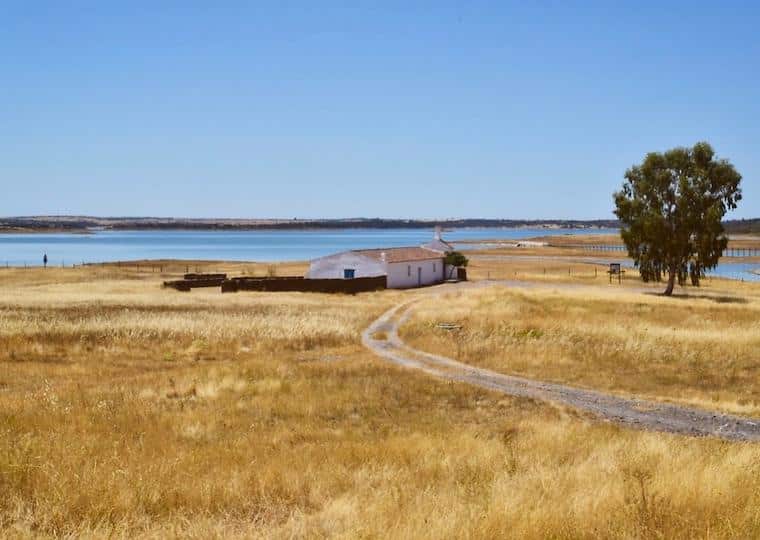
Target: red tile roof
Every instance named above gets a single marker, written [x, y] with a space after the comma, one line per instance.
[401, 254]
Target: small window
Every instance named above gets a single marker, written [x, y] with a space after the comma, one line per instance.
[349, 273]
[409, 270]
[433, 267]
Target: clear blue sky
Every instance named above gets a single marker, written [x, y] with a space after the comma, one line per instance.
[515, 110]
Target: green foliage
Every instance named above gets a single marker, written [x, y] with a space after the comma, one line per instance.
[456, 258]
[671, 209]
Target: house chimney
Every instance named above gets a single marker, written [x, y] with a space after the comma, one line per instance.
[382, 256]
[437, 233]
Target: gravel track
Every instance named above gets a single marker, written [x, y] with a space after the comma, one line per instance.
[633, 413]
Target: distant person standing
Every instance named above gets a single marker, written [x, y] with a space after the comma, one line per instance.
[44, 260]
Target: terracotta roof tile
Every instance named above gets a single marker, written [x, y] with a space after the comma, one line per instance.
[401, 254]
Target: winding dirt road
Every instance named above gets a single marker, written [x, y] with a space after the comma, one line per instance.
[382, 338]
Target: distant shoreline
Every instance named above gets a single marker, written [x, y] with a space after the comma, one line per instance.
[88, 225]
[45, 231]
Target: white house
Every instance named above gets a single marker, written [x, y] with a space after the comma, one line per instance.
[405, 267]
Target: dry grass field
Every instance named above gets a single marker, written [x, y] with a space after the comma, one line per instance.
[127, 410]
[543, 270]
[699, 348]
[585, 246]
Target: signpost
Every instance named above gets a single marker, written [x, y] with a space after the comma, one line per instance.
[616, 270]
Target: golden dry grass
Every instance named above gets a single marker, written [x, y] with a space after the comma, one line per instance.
[131, 411]
[582, 246]
[735, 241]
[546, 270]
[548, 251]
[568, 268]
[700, 349]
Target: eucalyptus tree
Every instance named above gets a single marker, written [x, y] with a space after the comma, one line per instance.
[671, 208]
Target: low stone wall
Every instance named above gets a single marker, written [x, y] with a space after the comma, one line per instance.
[205, 276]
[192, 281]
[299, 284]
[187, 284]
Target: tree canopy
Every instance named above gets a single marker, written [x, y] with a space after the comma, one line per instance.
[456, 258]
[671, 208]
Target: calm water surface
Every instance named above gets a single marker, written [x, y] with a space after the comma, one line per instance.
[109, 246]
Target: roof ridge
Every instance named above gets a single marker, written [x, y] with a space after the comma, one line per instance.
[399, 254]
[394, 247]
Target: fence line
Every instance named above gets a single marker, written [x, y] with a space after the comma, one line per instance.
[729, 252]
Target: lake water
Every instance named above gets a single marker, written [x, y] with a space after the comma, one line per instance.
[109, 246]
[738, 271]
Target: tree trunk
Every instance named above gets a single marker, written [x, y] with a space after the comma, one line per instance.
[671, 281]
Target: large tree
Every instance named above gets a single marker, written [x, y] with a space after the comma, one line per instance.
[671, 209]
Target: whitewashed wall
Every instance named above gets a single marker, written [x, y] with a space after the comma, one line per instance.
[332, 266]
[450, 272]
[401, 277]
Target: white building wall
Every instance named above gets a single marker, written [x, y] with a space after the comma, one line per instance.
[332, 266]
[403, 275]
[450, 272]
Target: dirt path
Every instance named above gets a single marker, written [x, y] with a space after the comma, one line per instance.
[382, 338]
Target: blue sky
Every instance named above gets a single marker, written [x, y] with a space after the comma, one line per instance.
[514, 110]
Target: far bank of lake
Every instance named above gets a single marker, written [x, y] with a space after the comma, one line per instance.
[256, 245]
[261, 245]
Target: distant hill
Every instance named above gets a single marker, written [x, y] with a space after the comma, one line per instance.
[75, 224]
[87, 223]
[743, 226]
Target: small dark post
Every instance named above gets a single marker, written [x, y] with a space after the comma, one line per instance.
[44, 261]
[616, 270]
